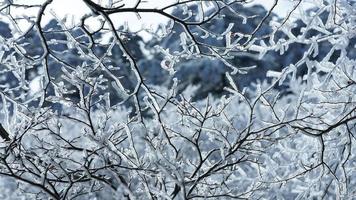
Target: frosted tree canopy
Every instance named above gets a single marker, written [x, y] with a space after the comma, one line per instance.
[218, 99]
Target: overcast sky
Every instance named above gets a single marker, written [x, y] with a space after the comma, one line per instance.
[77, 7]
[74, 8]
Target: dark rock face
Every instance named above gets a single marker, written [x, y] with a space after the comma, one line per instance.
[5, 30]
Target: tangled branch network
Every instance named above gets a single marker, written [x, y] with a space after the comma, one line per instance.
[223, 99]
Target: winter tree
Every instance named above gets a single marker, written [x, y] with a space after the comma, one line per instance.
[225, 100]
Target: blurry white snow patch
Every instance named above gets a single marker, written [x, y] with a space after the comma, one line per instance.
[35, 85]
